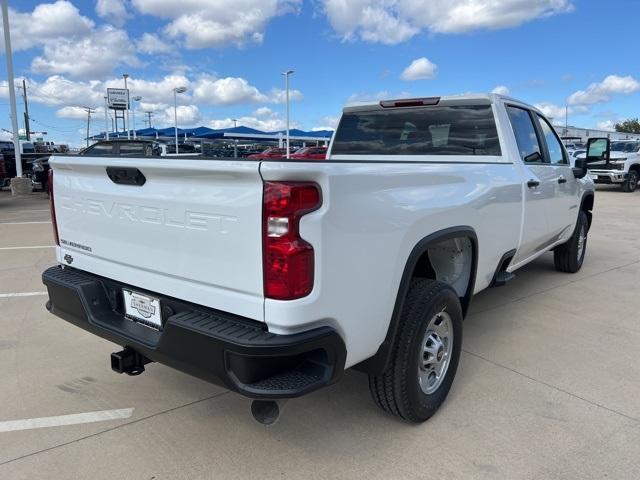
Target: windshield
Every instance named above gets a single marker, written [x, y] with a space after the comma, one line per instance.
[628, 147]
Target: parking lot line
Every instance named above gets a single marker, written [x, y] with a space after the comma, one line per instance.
[62, 420]
[22, 294]
[23, 223]
[20, 248]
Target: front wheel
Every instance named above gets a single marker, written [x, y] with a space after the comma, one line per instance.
[631, 183]
[425, 353]
[569, 256]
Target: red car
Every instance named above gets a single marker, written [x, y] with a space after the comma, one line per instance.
[270, 153]
[310, 153]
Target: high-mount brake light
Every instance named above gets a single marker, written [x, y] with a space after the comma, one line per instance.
[52, 207]
[410, 102]
[288, 260]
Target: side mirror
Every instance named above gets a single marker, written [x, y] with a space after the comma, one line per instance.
[598, 150]
[580, 168]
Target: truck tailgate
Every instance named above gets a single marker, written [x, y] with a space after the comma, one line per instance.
[191, 231]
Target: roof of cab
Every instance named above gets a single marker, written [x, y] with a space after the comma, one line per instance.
[449, 100]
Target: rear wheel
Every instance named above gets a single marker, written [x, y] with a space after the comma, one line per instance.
[425, 353]
[569, 256]
[631, 183]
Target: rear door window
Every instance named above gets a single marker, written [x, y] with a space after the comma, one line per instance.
[526, 136]
[134, 149]
[442, 130]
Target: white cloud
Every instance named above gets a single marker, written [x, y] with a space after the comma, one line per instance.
[188, 116]
[501, 90]
[236, 90]
[114, 11]
[46, 22]
[606, 125]
[58, 91]
[151, 43]
[420, 69]
[395, 21]
[554, 111]
[207, 24]
[79, 113]
[227, 91]
[277, 95]
[95, 55]
[603, 91]
[264, 112]
[272, 122]
[327, 123]
[155, 91]
[551, 110]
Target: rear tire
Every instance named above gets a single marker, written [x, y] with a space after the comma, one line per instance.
[631, 183]
[428, 342]
[569, 256]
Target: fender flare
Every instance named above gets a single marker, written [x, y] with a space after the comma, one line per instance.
[588, 196]
[380, 361]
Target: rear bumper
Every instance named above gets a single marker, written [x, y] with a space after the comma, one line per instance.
[219, 347]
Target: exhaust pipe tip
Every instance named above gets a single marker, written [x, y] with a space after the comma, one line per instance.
[267, 412]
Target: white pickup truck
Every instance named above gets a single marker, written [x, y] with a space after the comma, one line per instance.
[615, 164]
[273, 277]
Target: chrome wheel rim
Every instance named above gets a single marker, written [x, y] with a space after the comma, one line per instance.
[582, 240]
[435, 354]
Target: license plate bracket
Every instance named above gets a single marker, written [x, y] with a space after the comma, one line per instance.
[142, 308]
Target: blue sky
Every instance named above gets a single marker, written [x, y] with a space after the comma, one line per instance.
[229, 53]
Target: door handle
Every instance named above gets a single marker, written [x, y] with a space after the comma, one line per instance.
[562, 180]
[533, 183]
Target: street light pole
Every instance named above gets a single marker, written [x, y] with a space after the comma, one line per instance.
[286, 87]
[235, 140]
[126, 110]
[12, 88]
[133, 114]
[106, 119]
[176, 91]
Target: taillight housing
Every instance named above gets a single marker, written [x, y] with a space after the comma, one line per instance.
[288, 260]
[52, 207]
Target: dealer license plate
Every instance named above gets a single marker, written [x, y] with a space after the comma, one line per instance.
[142, 308]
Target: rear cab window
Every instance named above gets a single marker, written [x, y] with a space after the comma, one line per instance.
[439, 130]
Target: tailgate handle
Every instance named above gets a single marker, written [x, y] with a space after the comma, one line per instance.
[126, 176]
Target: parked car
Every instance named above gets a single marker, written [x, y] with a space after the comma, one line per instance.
[310, 153]
[8, 147]
[272, 279]
[269, 153]
[619, 167]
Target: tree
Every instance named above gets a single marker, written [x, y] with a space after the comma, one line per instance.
[632, 125]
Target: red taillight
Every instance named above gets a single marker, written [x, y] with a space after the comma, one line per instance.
[52, 207]
[288, 259]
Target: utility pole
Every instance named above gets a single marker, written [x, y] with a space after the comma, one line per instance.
[27, 129]
[235, 140]
[149, 114]
[106, 119]
[126, 110]
[89, 111]
[286, 86]
[12, 88]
